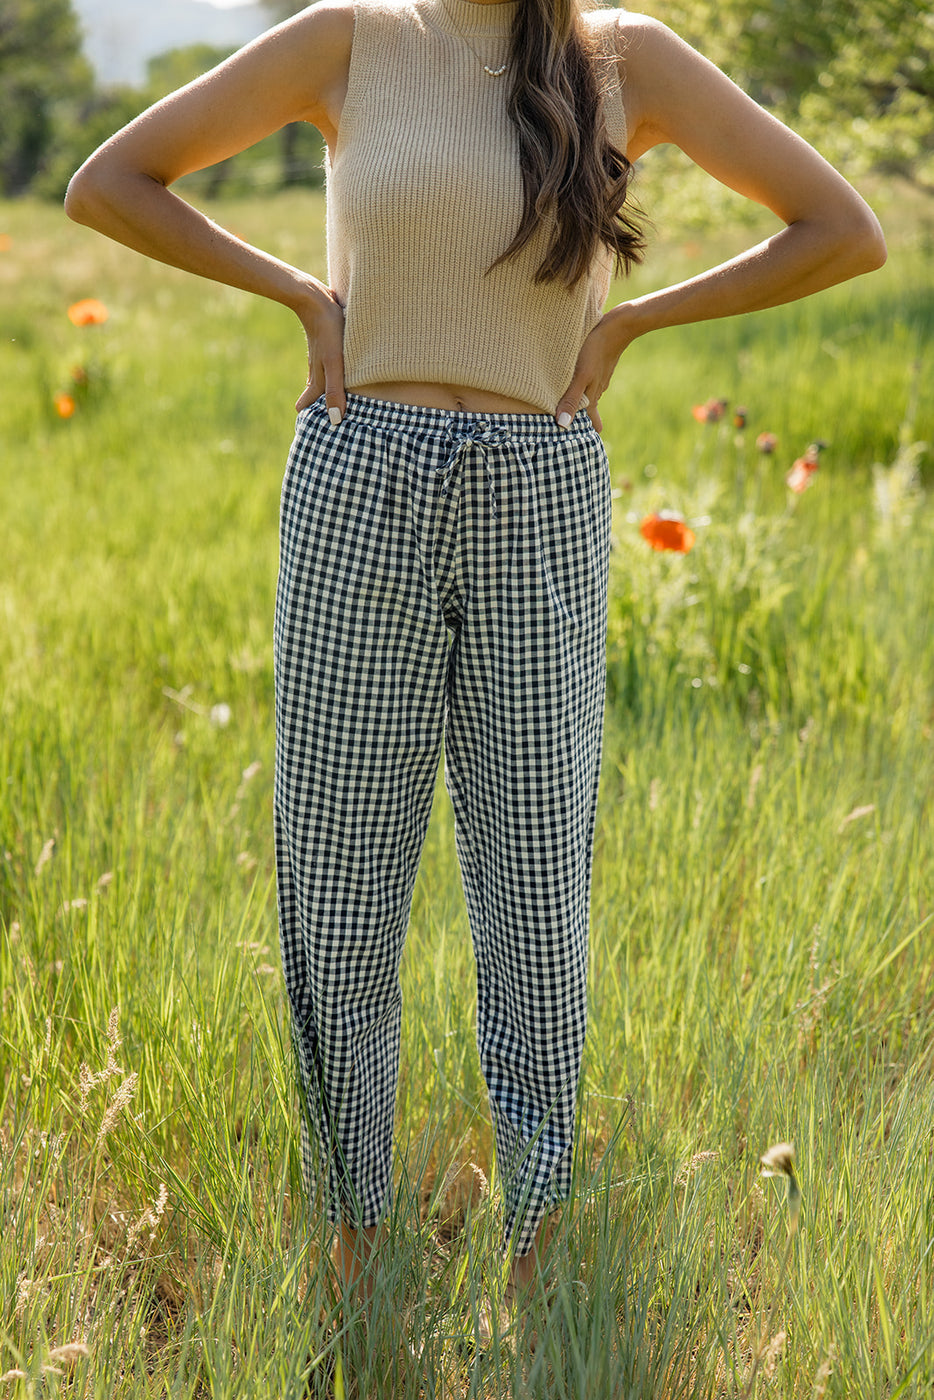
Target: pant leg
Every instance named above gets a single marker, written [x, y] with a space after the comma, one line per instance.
[360, 662]
[522, 755]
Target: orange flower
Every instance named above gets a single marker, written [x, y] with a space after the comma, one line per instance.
[88, 312]
[64, 405]
[739, 418]
[665, 529]
[767, 443]
[710, 412]
[6, 243]
[799, 477]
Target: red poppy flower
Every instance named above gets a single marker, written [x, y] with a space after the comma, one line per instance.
[739, 418]
[767, 443]
[64, 405]
[799, 477]
[710, 412]
[88, 312]
[666, 530]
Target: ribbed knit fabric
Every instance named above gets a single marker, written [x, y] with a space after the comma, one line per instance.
[424, 193]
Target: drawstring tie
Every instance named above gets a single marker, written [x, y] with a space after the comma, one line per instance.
[480, 434]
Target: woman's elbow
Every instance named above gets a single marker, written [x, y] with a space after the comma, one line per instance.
[82, 196]
[98, 189]
[863, 242]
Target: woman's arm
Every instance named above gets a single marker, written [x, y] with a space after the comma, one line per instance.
[673, 94]
[295, 72]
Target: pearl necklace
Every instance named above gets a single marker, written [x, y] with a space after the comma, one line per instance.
[491, 72]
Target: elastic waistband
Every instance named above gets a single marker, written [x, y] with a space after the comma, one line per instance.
[408, 418]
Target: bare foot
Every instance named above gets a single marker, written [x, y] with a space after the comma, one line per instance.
[351, 1255]
[525, 1270]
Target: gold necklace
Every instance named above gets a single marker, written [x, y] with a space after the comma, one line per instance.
[492, 72]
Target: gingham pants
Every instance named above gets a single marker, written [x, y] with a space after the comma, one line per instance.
[442, 576]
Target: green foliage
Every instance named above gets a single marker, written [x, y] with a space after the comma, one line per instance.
[42, 76]
[854, 77]
[90, 122]
[873, 104]
[173, 69]
[281, 9]
[293, 156]
[762, 960]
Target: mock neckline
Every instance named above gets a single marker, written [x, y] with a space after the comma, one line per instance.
[472, 17]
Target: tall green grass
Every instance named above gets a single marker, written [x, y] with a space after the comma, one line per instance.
[763, 923]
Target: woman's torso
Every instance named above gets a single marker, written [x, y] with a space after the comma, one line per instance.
[424, 193]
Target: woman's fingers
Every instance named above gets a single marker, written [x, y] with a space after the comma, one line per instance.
[309, 394]
[324, 330]
[334, 395]
[591, 377]
[596, 362]
[571, 399]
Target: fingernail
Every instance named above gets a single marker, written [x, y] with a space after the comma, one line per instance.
[335, 416]
[564, 420]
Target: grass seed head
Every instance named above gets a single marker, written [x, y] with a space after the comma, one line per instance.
[824, 1372]
[773, 1354]
[71, 1351]
[45, 855]
[118, 1103]
[779, 1160]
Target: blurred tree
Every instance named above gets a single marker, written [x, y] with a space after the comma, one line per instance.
[872, 106]
[99, 114]
[103, 112]
[42, 72]
[176, 67]
[80, 127]
[281, 9]
[294, 140]
[290, 157]
[854, 76]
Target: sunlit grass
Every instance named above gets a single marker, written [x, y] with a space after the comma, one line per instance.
[763, 943]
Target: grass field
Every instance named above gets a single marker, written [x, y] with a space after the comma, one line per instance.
[763, 910]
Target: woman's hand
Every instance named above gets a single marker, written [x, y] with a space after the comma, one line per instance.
[323, 321]
[596, 362]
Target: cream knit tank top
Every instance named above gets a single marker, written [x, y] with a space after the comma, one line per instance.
[424, 193]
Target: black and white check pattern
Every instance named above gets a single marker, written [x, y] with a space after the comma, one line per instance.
[442, 575]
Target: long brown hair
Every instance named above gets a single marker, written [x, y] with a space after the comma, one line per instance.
[574, 180]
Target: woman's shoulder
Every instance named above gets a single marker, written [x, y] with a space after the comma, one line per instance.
[627, 30]
[389, 11]
[337, 17]
[329, 22]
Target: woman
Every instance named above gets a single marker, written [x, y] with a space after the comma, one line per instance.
[445, 511]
